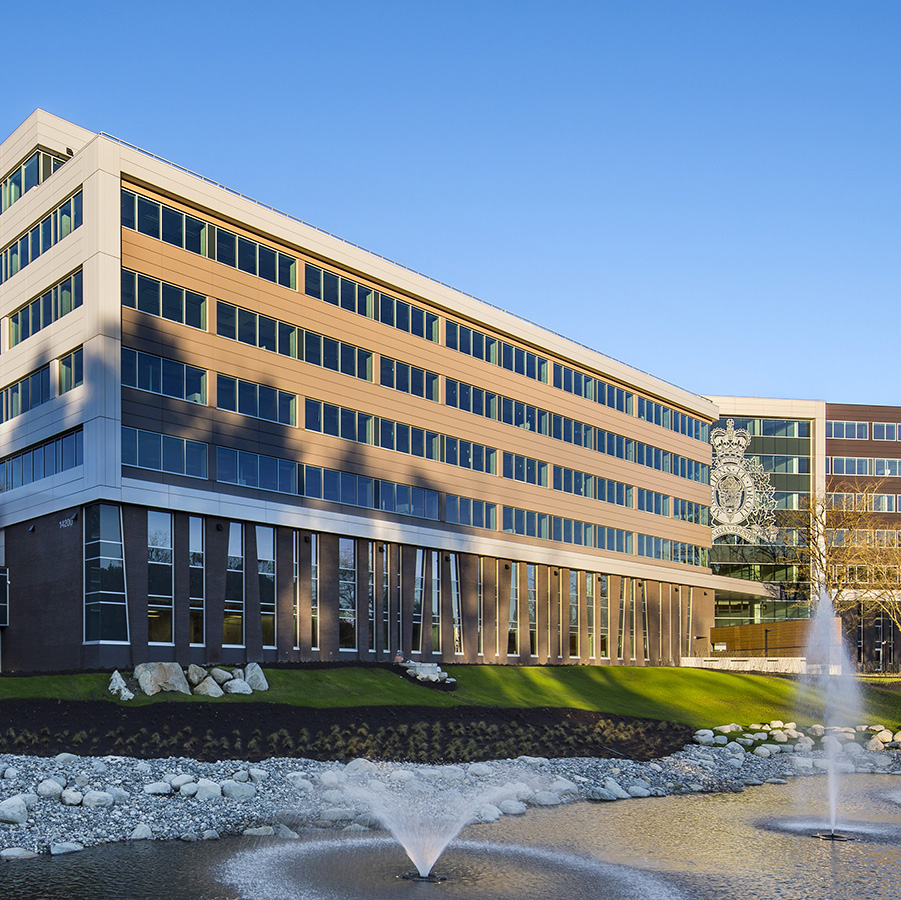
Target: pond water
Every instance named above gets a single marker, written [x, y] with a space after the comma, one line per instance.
[756, 845]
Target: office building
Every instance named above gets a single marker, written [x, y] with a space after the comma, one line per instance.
[227, 435]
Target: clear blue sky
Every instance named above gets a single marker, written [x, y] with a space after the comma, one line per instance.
[708, 191]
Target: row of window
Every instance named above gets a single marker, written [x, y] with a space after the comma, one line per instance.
[652, 502]
[409, 379]
[351, 425]
[885, 503]
[860, 465]
[567, 531]
[60, 300]
[482, 346]
[591, 388]
[688, 511]
[159, 375]
[680, 422]
[164, 300]
[164, 223]
[468, 511]
[859, 431]
[286, 476]
[525, 469]
[672, 551]
[35, 389]
[794, 428]
[34, 171]
[463, 396]
[163, 453]
[242, 325]
[59, 454]
[38, 240]
[170, 225]
[357, 298]
[849, 431]
[572, 481]
[257, 400]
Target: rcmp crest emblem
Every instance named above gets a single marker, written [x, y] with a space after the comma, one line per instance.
[742, 501]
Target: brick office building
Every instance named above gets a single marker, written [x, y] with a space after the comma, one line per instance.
[227, 435]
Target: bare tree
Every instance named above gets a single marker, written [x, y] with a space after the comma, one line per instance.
[843, 543]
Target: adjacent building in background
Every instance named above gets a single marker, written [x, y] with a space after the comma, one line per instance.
[227, 435]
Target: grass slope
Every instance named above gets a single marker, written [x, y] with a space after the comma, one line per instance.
[688, 696]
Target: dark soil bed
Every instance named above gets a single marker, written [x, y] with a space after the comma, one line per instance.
[254, 731]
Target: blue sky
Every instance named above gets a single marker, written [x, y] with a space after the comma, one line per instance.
[707, 191]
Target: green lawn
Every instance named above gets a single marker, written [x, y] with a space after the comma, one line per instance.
[691, 696]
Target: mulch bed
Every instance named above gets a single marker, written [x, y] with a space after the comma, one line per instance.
[254, 731]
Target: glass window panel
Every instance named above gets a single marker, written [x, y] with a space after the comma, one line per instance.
[148, 217]
[148, 295]
[195, 310]
[247, 327]
[247, 256]
[173, 226]
[195, 235]
[226, 247]
[267, 262]
[173, 302]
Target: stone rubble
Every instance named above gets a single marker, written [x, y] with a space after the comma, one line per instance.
[154, 677]
[65, 803]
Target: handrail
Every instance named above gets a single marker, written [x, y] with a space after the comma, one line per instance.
[437, 281]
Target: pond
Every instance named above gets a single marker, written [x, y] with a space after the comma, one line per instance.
[756, 845]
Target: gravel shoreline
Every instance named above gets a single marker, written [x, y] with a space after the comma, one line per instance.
[65, 803]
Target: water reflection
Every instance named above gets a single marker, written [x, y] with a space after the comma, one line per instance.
[692, 847]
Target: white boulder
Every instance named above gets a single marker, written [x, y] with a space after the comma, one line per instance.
[161, 676]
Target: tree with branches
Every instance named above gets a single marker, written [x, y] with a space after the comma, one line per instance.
[843, 543]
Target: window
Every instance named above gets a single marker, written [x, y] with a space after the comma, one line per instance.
[652, 502]
[266, 575]
[165, 223]
[37, 314]
[71, 371]
[41, 237]
[467, 511]
[435, 567]
[456, 603]
[848, 431]
[159, 375]
[370, 592]
[233, 618]
[676, 421]
[409, 379]
[25, 394]
[590, 388]
[163, 453]
[418, 596]
[105, 607]
[513, 621]
[532, 608]
[347, 594]
[314, 590]
[196, 586]
[574, 613]
[159, 578]
[364, 301]
[163, 300]
[525, 469]
[259, 401]
[39, 166]
[885, 431]
[38, 461]
[603, 615]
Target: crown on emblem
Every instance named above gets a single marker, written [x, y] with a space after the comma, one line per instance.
[729, 441]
